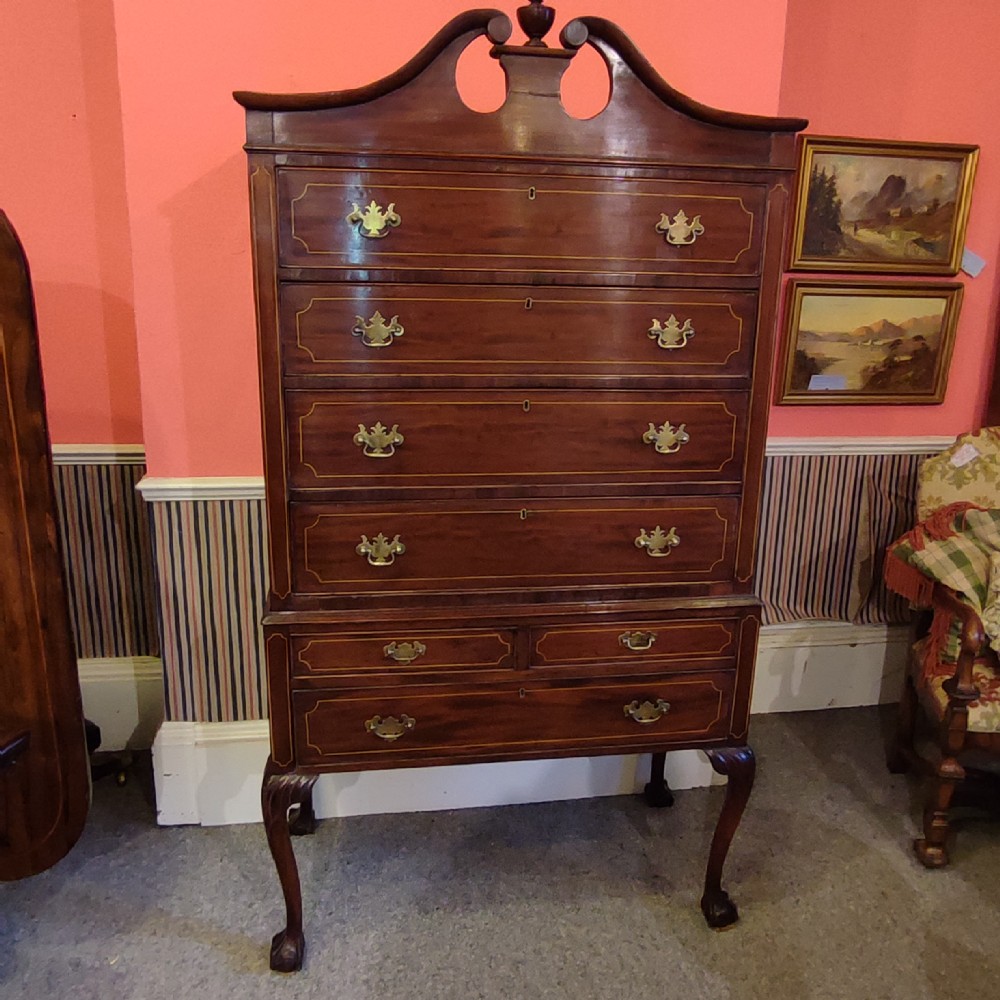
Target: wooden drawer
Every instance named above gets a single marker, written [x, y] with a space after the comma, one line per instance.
[468, 331]
[691, 643]
[493, 546]
[497, 438]
[510, 223]
[496, 721]
[402, 651]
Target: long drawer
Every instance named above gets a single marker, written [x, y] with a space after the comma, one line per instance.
[488, 546]
[515, 331]
[441, 221]
[479, 438]
[421, 722]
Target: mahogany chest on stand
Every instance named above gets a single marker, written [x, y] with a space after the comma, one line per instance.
[514, 376]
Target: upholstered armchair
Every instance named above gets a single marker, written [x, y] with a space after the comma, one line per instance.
[949, 565]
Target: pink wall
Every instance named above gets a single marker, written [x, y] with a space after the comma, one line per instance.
[62, 186]
[125, 178]
[917, 70]
[185, 169]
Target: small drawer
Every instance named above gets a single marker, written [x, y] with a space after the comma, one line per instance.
[571, 225]
[519, 333]
[613, 715]
[507, 438]
[402, 651]
[495, 546]
[688, 642]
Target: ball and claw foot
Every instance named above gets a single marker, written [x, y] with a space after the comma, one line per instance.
[930, 855]
[719, 910]
[658, 794]
[287, 950]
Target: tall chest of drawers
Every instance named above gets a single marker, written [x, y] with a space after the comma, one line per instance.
[514, 380]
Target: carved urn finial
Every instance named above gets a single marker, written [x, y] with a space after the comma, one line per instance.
[536, 20]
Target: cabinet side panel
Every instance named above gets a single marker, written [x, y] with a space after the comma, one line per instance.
[263, 208]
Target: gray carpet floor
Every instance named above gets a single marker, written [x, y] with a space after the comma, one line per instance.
[592, 899]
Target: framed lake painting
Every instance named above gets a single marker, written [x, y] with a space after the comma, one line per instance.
[882, 207]
[847, 342]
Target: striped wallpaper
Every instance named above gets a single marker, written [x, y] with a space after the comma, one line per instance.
[826, 520]
[211, 561]
[825, 523]
[106, 546]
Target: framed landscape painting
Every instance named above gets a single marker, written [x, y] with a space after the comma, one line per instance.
[864, 343]
[882, 207]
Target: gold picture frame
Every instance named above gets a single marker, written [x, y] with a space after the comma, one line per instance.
[881, 207]
[867, 343]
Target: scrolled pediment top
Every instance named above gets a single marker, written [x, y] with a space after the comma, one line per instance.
[495, 24]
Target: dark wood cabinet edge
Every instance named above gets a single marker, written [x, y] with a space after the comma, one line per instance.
[361, 616]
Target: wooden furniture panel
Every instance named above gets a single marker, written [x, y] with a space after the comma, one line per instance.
[44, 770]
[465, 438]
[402, 650]
[498, 546]
[494, 722]
[640, 641]
[525, 333]
[510, 312]
[569, 224]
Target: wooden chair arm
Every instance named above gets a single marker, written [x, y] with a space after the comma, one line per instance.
[12, 745]
[972, 636]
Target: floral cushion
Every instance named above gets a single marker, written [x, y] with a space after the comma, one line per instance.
[968, 470]
[984, 712]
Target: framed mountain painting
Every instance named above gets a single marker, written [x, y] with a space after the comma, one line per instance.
[849, 342]
[882, 207]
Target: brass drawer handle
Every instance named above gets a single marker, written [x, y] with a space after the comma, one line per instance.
[647, 712]
[666, 440]
[377, 331]
[379, 441]
[390, 728]
[680, 231]
[380, 550]
[373, 221]
[658, 543]
[671, 335]
[404, 652]
[637, 640]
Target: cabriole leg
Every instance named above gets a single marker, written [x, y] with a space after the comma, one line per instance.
[281, 793]
[739, 765]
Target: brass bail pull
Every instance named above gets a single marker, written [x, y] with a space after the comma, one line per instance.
[389, 728]
[374, 222]
[637, 641]
[671, 335]
[680, 231]
[647, 712]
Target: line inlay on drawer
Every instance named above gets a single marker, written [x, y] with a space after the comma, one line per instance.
[482, 719]
[508, 436]
[519, 328]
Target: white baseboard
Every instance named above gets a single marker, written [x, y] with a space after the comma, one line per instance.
[805, 666]
[124, 696]
[209, 773]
